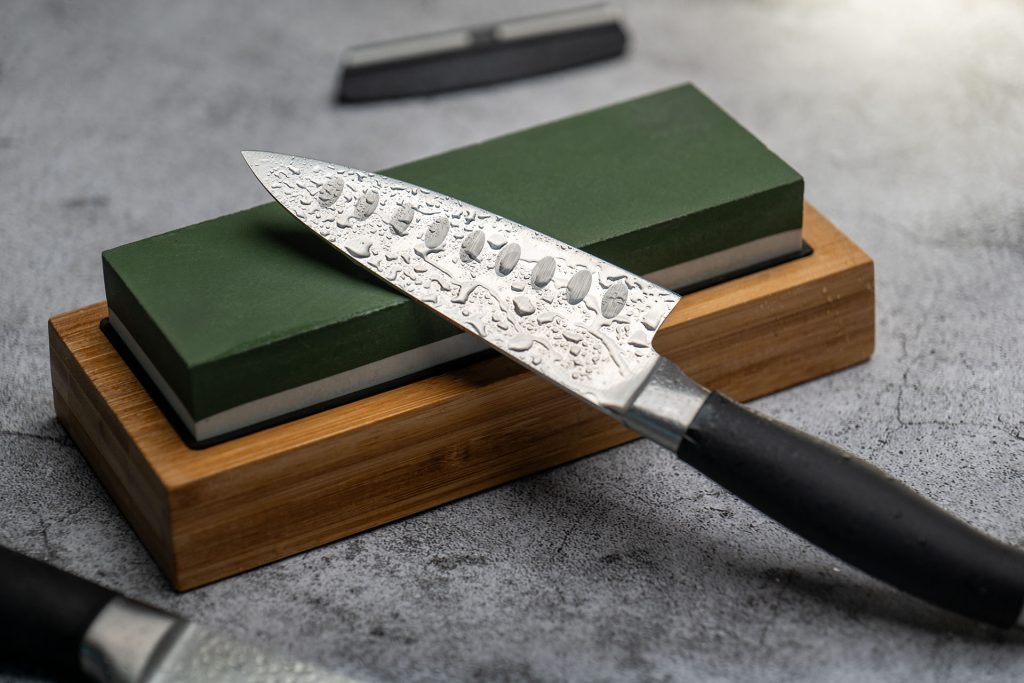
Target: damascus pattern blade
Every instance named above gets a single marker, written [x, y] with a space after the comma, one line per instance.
[583, 323]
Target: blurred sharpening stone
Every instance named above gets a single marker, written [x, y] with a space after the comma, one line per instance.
[463, 58]
[249, 319]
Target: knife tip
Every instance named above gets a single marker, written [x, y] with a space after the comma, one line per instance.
[253, 157]
[263, 163]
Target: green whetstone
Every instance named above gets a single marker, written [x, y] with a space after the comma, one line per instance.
[243, 319]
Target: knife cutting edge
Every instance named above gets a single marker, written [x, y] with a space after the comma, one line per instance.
[55, 624]
[589, 326]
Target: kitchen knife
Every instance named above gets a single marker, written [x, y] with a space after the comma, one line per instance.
[59, 625]
[588, 326]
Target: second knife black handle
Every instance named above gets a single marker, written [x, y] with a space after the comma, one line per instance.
[44, 613]
[856, 512]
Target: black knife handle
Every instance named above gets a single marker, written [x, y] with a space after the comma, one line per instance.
[856, 512]
[44, 612]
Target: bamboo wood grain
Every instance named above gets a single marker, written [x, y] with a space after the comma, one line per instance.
[207, 514]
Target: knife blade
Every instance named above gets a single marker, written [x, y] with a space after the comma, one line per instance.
[588, 326]
[56, 624]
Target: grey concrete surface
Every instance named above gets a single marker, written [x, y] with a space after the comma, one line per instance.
[120, 120]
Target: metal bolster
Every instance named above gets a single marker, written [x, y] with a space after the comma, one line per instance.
[665, 405]
[123, 639]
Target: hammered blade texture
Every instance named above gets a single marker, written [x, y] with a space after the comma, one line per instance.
[201, 656]
[585, 324]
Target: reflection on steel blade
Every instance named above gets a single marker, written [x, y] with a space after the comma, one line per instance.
[198, 656]
[583, 323]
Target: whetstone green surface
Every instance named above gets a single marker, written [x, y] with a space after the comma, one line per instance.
[251, 304]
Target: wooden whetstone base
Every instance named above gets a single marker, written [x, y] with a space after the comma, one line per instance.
[208, 514]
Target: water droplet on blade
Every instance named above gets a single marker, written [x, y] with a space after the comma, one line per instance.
[520, 342]
[523, 305]
[358, 248]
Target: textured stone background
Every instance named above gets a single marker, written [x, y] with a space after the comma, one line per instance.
[120, 120]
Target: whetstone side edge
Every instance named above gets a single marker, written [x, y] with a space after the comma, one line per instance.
[208, 514]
